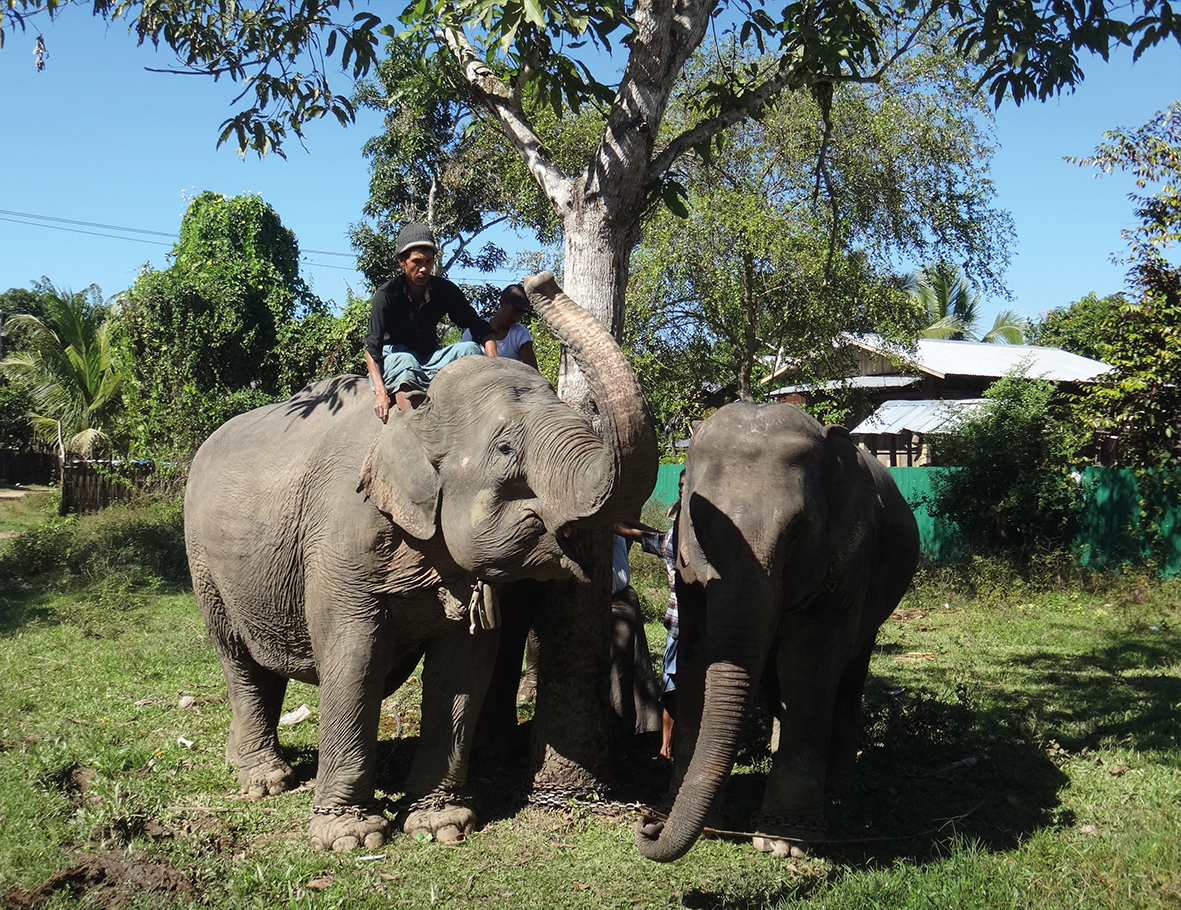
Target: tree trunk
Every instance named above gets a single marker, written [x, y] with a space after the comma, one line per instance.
[571, 727]
[750, 342]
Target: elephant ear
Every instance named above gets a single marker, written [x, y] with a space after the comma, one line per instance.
[400, 480]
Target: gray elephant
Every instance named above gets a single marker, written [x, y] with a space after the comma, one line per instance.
[329, 548]
[793, 548]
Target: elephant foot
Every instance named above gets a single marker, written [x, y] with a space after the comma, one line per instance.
[785, 837]
[341, 828]
[445, 818]
[265, 778]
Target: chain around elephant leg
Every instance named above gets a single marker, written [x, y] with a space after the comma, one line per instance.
[784, 836]
[342, 828]
[443, 815]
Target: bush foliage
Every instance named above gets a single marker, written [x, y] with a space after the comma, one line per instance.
[1014, 490]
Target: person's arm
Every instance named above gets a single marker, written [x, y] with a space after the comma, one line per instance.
[374, 360]
[633, 530]
[381, 404]
[490, 347]
[525, 352]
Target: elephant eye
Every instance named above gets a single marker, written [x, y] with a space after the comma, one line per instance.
[504, 448]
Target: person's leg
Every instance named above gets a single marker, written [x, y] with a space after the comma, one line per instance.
[449, 353]
[401, 369]
[668, 695]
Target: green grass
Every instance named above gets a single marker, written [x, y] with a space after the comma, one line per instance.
[1022, 749]
[25, 508]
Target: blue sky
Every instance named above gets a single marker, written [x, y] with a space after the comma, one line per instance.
[94, 138]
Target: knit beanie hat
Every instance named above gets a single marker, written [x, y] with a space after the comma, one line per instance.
[415, 234]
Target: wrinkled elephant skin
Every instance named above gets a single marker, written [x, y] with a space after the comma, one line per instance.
[793, 548]
[330, 548]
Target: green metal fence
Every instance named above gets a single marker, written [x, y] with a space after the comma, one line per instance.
[1111, 526]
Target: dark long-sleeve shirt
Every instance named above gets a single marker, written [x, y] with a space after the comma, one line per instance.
[395, 319]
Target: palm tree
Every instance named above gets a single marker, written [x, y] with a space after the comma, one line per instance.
[67, 363]
[952, 310]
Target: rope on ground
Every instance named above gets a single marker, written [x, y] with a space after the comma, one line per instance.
[722, 832]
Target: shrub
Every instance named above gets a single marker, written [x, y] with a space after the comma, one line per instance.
[1015, 491]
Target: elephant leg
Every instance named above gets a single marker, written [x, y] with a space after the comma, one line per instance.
[455, 676]
[621, 679]
[497, 733]
[353, 666]
[646, 688]
[256, 695]
[846, 722]
[809, 665]
[635, 698]
[256, 699]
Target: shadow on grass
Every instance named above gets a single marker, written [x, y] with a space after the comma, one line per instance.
[22, 604]
[1119, 692]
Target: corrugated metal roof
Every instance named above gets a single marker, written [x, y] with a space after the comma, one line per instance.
[974, 358]
[916, 416]
[853, 382]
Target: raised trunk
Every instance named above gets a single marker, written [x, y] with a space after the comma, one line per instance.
[623, 473]
[571, 728]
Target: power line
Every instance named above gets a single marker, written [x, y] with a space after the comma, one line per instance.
[108, 227]
[58, 227]
[115, 227]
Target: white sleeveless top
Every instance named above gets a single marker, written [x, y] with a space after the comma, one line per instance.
[510, 345]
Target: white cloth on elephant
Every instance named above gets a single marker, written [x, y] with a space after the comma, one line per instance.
[621, 575]
[510, 345]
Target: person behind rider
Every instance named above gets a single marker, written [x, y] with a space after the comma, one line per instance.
[402, 350]
[513, 340]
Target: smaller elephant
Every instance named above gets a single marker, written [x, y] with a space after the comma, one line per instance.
[793, 548]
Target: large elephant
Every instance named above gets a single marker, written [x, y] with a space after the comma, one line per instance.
[329, 548]
[793, 548]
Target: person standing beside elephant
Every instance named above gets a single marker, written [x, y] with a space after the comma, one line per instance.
[512, 339]
[402, 350]
[664, 545]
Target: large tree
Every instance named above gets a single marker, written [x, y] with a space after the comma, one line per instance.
[795, 225]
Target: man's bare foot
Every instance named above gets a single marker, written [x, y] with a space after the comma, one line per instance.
[410, 398]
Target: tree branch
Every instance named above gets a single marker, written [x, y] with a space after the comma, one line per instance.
[789, 75]
[505, 106]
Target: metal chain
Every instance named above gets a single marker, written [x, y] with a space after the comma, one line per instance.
[436, 801]
[761, 822]
[357, 812]
[596, 799]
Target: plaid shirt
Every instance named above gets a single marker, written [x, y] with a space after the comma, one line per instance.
[664, 545]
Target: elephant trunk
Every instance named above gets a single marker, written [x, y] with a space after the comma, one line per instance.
[728, 692]
[733, 636]
[616, 479]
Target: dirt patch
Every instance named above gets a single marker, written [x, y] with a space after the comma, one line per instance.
[4, 535]
[9, 493]
[111, 881]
